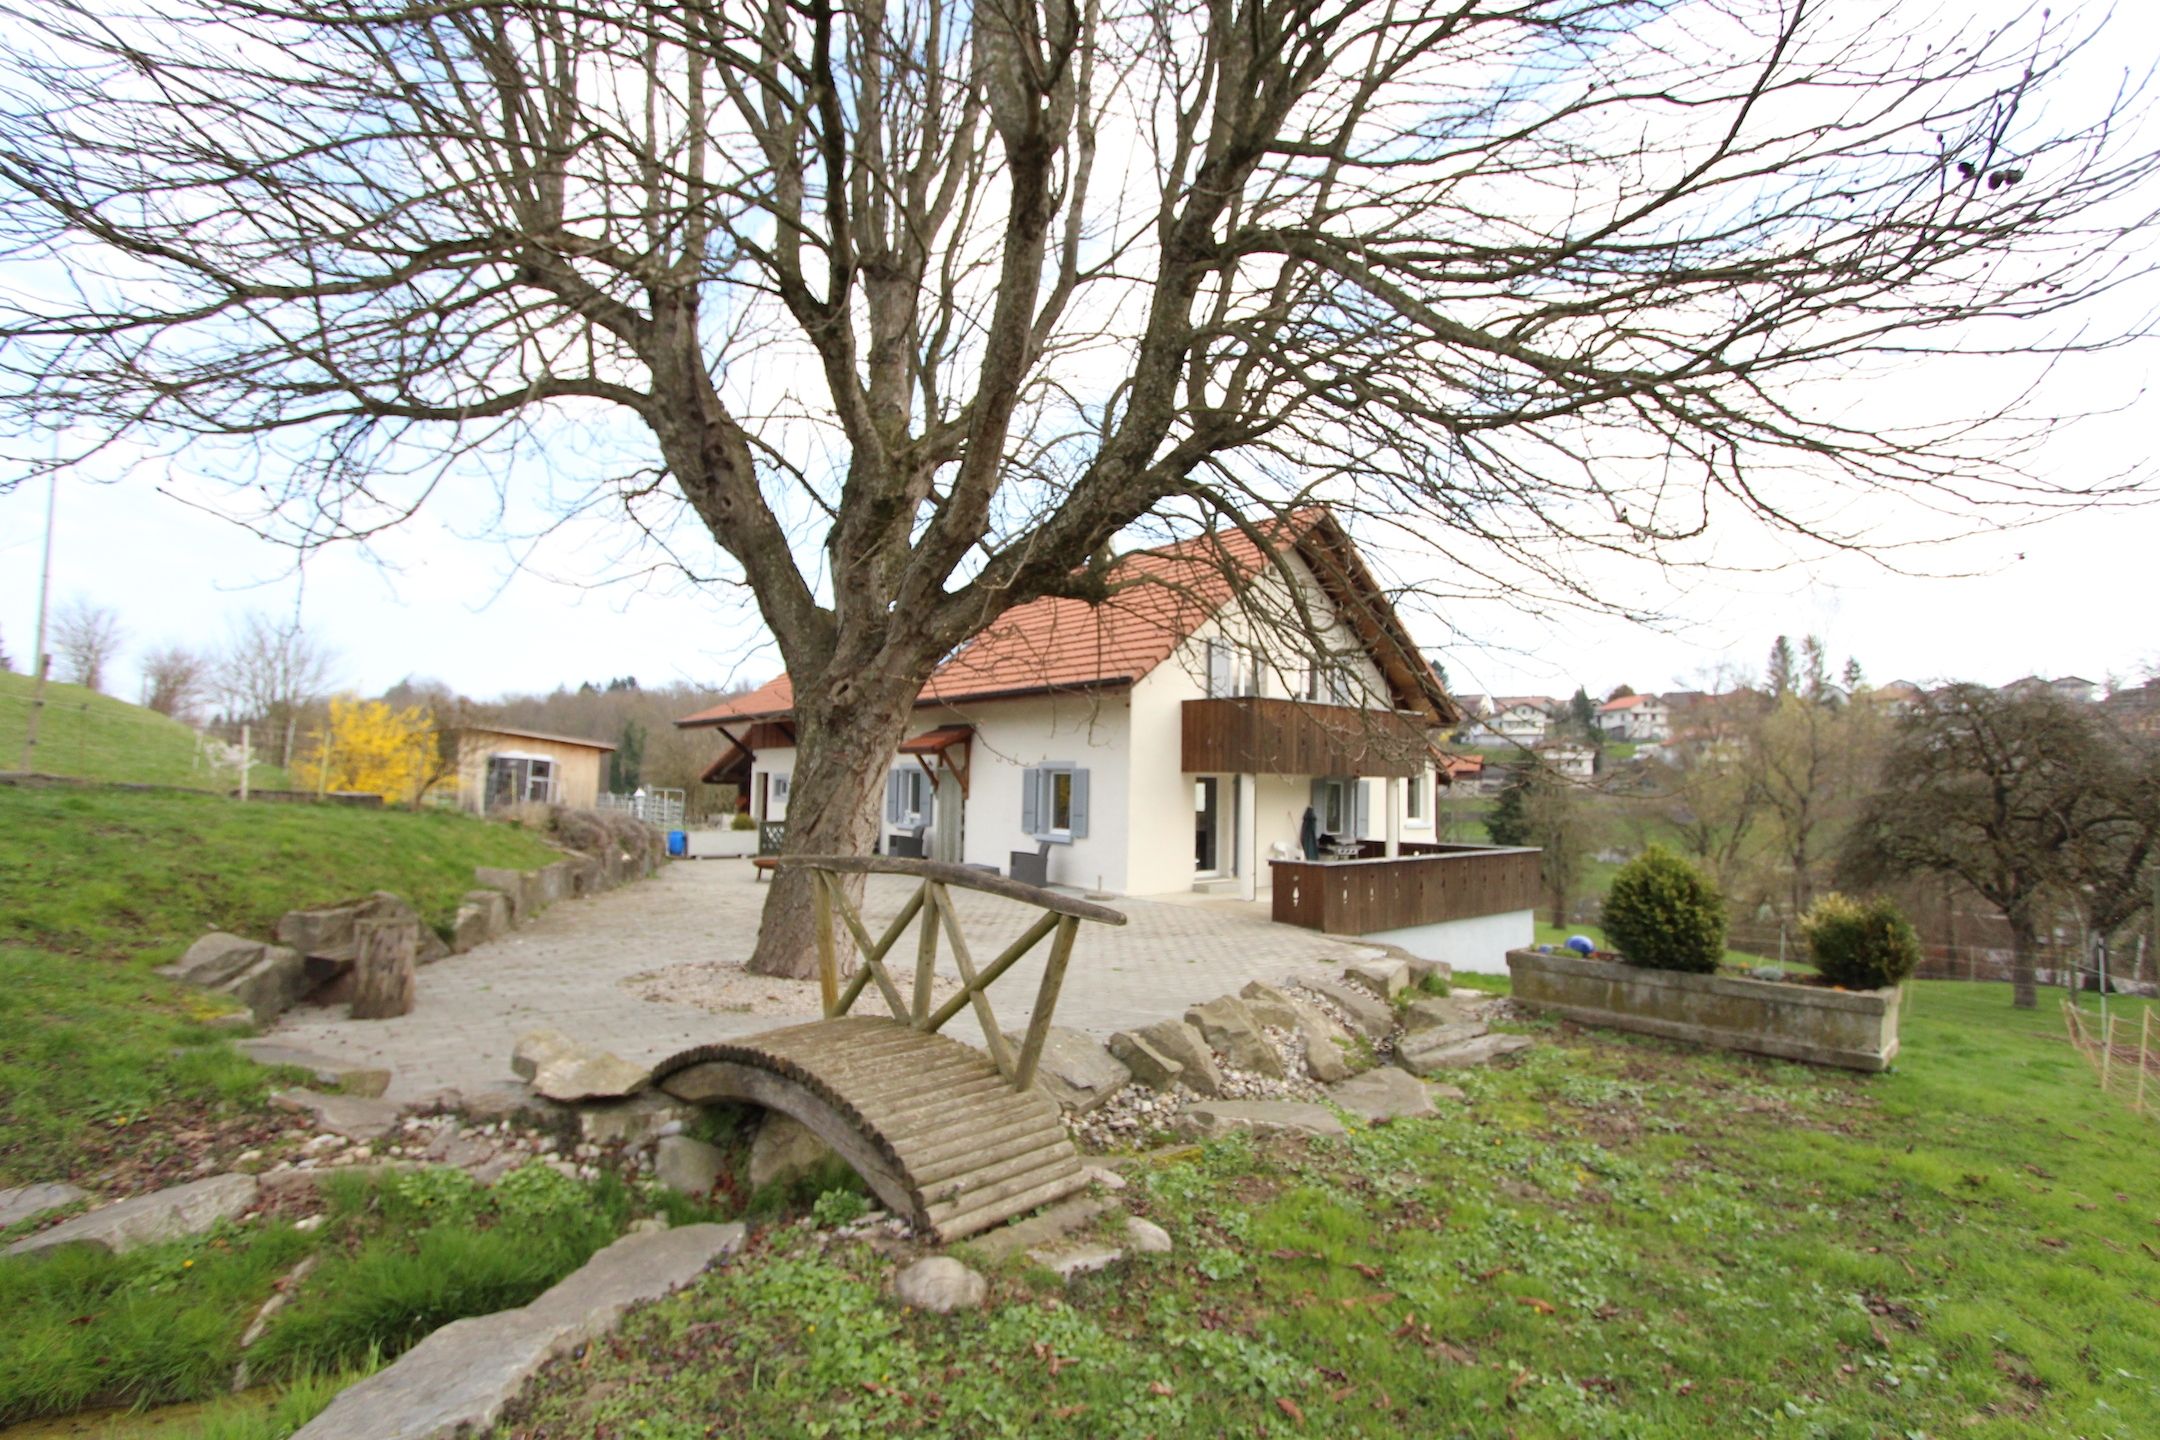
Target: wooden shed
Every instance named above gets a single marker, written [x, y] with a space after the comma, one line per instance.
[498, 766]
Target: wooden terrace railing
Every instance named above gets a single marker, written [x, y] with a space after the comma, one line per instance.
[1448, 882]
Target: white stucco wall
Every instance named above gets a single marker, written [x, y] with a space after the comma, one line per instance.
[1478, 946]
[1089, 731]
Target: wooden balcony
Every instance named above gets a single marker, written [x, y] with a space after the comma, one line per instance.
[1250, 735]
[1449, 882]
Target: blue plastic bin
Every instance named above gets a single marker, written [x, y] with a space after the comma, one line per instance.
[678, 843]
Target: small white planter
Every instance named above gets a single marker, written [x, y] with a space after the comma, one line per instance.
[720, 844]
[1857, 1029]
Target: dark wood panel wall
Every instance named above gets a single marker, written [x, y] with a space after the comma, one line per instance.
[1252, 735]
[1357, 897]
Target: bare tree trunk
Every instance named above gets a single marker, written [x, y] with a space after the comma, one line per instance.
[2026, 992]
[832, 810]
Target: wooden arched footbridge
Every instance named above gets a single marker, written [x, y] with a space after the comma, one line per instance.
[954, 1139]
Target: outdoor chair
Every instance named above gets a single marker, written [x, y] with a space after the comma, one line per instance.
[1032, 869]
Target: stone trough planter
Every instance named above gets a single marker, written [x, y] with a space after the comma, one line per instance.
[1856, 1029]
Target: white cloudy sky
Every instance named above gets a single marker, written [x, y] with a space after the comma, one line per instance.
[445, 598]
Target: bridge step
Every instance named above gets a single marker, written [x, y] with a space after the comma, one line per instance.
[959, 1151]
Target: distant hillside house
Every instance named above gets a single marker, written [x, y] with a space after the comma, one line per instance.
[1156, 743]
[1565, 757]
[1515, 720]
[1640, 719]
[497, 766]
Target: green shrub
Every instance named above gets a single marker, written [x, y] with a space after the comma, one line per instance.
[838, 1207]
[743, 820]
[1664, 914]
[1861, 944]
[1435, 983]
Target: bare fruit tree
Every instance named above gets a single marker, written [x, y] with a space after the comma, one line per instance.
[175, 680]
[915, 307]
[88, 639]
[268, 674]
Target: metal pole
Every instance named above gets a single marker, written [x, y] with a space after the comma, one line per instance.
[40, 662]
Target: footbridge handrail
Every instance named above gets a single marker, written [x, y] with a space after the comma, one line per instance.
[1061, 914]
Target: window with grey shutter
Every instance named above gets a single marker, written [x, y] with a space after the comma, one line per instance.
[1222, 661]
[1030, 799]
[1361, 824]
[1079, 804]
[892, 797]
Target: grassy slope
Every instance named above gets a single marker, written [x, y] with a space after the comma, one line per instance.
[97, 887]
[93, 736]
[1617, 1237]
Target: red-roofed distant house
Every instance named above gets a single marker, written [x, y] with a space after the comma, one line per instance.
[1641, 719]
[1159, 741]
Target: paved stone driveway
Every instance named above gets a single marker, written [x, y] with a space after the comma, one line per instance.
[564, 968]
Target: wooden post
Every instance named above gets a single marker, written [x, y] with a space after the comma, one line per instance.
[925, 957]
[384, 952]
[2107, 1051]
[971, 985]
[2144, 1038]
[1046, 1000]
[828, 966]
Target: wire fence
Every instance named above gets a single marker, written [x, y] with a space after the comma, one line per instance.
[660, 808]
[2122, 1068]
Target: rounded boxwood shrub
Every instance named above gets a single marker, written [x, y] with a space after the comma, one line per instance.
[1664, 914]
[1861, 944]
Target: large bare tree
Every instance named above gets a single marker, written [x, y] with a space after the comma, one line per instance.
[916, 306]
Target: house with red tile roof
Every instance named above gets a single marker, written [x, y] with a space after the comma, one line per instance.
[1643, 719]
[1167, 739]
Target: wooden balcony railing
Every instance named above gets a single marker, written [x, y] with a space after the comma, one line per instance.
[1358, 897]
[1251, 735]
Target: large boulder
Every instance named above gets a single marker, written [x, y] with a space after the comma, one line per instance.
[1321, 1038]
[520, 888]
[1434, 1051]
[561, 1068]
[1386, 979]
[1184, 1044]
[1075, 1071]
[688, 1166]
[1369, 1015]
[151, 1219]
[1145, 1063]
[784, 1148]
[1436, 1010]
[1231, 1028]
[268, 979]
[1212, 1119]
[214, 959]
[940, 1285]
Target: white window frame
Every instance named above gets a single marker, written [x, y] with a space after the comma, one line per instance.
[1039, 801]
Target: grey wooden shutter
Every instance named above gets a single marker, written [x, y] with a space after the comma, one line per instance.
[1362, 822]
[1030, 788]
[928, 792]
[892, 797]
[1079, 804]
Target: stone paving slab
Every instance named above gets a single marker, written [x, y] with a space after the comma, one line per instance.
[565, 968]
[458, 1379]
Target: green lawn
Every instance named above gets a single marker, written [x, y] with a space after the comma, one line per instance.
[92, 736]
[1614, 1237]
[98, 887]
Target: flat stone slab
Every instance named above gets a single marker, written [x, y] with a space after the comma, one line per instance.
[19, 1205]
[1078, 1260]
[354, 1116]
[325, 1070]
[1436, 1010]
[1463, 1054]
[1385, 1094]
[151, 1219]
[462, 1375]
[561, 1068]
[1039, 1232]
[1385, 978]
[1076, 1071]
[1213, 1118]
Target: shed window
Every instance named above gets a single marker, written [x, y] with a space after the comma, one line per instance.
[515, 779]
